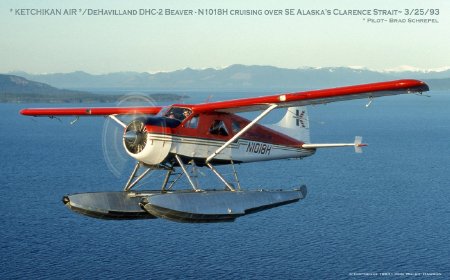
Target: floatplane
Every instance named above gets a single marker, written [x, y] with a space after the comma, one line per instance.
[178, 138]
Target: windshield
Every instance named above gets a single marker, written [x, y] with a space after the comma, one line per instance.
[178, 113]
[162, 121]
[163, 111]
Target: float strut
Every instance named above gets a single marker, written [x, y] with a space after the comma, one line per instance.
[229, 186]
[180, 162]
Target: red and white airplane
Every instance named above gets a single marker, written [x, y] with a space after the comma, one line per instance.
[209, 134]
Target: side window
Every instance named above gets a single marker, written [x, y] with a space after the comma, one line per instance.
[193, 122]
[235, 127]
[218, 128]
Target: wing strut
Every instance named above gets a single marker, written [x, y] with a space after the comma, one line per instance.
[247, 127]
[117, 120]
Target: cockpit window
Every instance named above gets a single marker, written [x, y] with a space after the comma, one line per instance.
[193, 122]
[218, 128]
[178, 113]
[163, 111]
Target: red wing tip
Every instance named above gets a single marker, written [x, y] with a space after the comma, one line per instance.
[29, 112]
[422, 86]
[24, 112]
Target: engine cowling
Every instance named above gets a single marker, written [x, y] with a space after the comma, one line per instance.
[148, 140]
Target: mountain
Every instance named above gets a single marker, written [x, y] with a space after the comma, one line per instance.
[16, 84]
[413, 73]
[234, 78]
[438, 84]
[18, 89]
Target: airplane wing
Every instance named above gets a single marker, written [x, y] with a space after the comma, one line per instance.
[97, 111]
[315, 97]
[304, 98]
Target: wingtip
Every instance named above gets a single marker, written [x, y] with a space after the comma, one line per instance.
[424, 87]
[24, 112]
[418, 85]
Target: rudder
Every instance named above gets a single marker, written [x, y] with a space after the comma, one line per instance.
[295, 124]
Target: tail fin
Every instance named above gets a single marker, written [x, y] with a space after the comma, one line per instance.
[295, 124]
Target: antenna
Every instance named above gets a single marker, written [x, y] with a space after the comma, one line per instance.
[370, 102]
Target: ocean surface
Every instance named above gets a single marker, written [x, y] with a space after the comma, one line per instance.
[385, 212]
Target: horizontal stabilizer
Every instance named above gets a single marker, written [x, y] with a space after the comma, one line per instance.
[357, 144]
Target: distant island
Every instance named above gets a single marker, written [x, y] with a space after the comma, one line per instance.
[16, 89]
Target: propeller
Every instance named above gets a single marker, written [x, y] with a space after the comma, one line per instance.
[135, 136]
[114, 136]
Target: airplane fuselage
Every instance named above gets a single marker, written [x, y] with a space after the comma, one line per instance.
[199, 135]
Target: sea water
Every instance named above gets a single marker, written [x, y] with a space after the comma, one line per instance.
[385, 212]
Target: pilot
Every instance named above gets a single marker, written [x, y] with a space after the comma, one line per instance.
[186, 113]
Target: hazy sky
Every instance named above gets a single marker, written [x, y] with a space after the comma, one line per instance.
[102, 44]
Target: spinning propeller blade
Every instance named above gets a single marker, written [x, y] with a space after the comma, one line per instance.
[114, 135]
